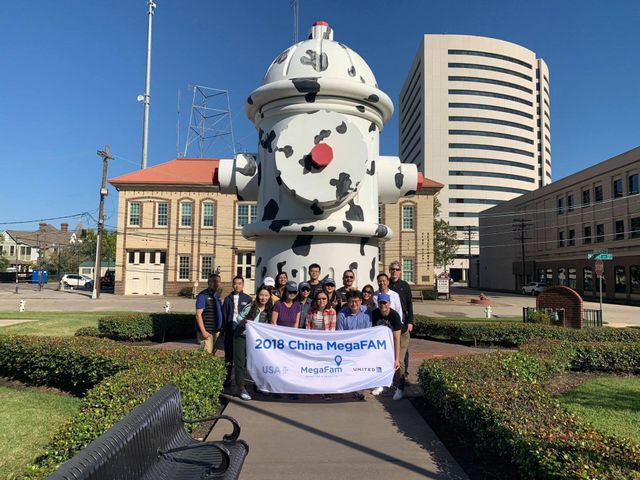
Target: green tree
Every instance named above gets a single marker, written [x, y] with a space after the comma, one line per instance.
[445, 243]
[88, 246]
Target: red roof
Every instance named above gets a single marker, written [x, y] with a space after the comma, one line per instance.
[181, 171]
[428, 183]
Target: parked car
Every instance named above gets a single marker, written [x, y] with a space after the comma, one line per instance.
[108, 279]
[534, 288]
[71, 280]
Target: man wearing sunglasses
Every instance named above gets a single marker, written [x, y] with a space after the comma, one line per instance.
[403, 290]
[348, 281]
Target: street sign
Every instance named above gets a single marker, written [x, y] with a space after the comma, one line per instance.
[599, 256]
[599, 267]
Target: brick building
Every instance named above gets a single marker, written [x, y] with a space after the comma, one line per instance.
[175, 228]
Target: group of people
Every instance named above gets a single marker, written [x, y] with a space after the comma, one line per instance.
[315, 305]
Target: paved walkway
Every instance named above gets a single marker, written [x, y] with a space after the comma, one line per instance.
[311, 438]
[339, 439]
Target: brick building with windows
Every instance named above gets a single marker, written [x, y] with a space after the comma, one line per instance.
[175, 228]
[595, 209]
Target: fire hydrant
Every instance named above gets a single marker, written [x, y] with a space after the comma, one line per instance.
[167, 307]
[487, 311]
[22, 305]
[318, 176]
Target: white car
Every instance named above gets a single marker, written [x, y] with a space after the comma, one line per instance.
[76, 281]
[534, 288]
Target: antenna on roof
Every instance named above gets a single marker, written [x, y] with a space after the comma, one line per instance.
[210, 124]
[146, 98]
[295, 7]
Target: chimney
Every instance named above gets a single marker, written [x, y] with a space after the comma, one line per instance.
[42, 226]
[64, 227]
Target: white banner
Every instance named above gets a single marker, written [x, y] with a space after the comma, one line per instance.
[291, 360]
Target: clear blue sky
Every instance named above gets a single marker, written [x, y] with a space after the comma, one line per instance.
[71, 71]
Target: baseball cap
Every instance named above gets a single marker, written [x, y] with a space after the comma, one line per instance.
[304, 285]
[329, 281]
[383, 297]
[269, 282]
[291, 286]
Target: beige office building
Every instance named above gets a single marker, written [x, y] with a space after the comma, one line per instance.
[595, 209]
[175, 228]
[475, 116]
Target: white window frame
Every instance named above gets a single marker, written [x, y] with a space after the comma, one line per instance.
[213, 214]
[183, 216]
[409, 270]
[204, 274]
[166, 215]
[251, 213]
[182, 278]
[404, 217]
[131, 214]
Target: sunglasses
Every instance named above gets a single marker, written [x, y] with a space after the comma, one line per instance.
[394, 269]
[348, 276]
[367, 292]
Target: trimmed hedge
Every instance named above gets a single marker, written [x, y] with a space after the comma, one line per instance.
[515, 334]
[112, 378]
[500, 399]
[136, 327]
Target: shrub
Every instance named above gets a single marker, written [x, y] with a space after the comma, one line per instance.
[88, 332]
[515, 334]
[135, 327]
[113, 378]
[538, 316]
[429, 294]
[186, 292]
[500, 400]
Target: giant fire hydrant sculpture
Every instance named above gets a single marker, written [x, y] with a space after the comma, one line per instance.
[318, 177]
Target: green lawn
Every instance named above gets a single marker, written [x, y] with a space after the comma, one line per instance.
[27, 419]
[611, 404]
[50, 323]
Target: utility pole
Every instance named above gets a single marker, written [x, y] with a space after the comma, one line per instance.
[520, 226]
[469, 230]
[97, 270]
[146, 98]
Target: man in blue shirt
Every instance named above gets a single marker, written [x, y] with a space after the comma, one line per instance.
[209, 314]
[354, 316]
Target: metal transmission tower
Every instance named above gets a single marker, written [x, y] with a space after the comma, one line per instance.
[210, 123]
[146, 98]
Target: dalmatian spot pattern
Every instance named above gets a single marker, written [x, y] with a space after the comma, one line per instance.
[302, 245]
[311, 112]
[362, 79]
[279, 265]
[372, 171]
[308, 86]
[331, 228]
[276, 225]
[270, 210]
[248, 170]
[321, 136]
[410, 193]
[259, 173]
[342, 184]
[373, 98]
[353, 266]
[278, 178]
[319, 62]
[258, 262]
[352, 71]
[381, 231]
[342, 128]
[239, 197]
[294, 272]
[316, 209]
[363, 242]
[282, 57]
[372, 272]
[309, 228]
[250, 100]
[355, 212]
[309, 166]
[360, 108]
[266, 140]
[399, 179]
[287, 150]
[372, 127]
[264, 272]
[347, 226]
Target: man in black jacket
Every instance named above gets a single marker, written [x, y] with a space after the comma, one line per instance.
[232, 305]
[403, 290]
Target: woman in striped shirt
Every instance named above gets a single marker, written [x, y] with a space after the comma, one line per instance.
[322, 316]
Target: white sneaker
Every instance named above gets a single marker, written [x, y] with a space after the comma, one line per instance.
[244, 395]
[376, 391]
[399, 395]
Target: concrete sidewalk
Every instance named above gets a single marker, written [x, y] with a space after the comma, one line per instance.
[343, 438]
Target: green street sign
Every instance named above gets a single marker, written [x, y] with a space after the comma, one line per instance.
[599, 256]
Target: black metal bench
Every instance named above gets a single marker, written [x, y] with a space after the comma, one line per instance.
[152, 443]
